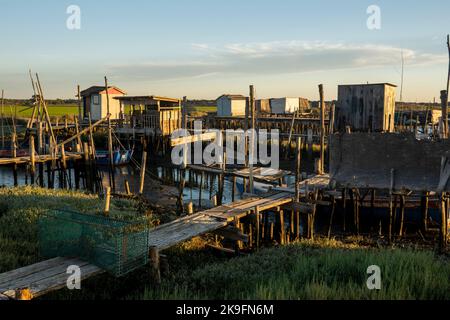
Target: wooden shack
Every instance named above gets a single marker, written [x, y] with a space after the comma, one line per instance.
[151, 115]
[366, 107]
[95, 102]
[284, 105]
[231, 105]
[263, 106]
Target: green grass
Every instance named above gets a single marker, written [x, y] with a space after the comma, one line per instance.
[203, 109]
[313, 271]
[21, 207]
[324, 269]
[53, 110]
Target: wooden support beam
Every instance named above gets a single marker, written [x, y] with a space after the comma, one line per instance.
[142, 172]
[298, 173]
[32, 159]
[155, 265]
[322, 130]
[127, 187]
[107, 201]
[402, 215]
[444, 103]
[443, 228]
[231, 233]
[257, 226]
[78, 135]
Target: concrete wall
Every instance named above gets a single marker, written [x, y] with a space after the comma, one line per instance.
[365, 107]
[365, 160]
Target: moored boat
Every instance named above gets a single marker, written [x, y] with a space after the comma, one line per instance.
[120, 157]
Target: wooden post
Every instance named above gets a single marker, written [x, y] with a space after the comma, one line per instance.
[391, 213]
[447, 89]
[214, 201]
[238, 225]
[154, 265]
[190, 208]
[252, 139]
[107, 200]
[182, 184]
[127, 188]
[233, 190]
[2, 115]
[344, 208]
[64, 167]
[32, 159]
[142, 174]
[298, 172]
[184, 113]
[333, 208]
[112, 181]
[322, 130]
[201, 189]
[257, 226]
[80, 117]
[332, 116]
[402, 214]
[444, 103]
[14, 155]
[44, 105]
[442, 233]
[282, 230]
[77, 131]
[424, 209]
[87, 170]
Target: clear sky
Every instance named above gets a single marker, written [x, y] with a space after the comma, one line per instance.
[204, 48]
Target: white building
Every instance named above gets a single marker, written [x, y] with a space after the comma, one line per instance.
[95, 102]
[230, 105]
[284, 105]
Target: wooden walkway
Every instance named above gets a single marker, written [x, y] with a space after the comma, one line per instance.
[168, 235]
[43, 277]
[39, 158]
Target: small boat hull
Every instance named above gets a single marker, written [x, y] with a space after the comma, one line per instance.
[120, 158]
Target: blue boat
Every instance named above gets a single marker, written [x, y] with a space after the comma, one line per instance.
[120, 157]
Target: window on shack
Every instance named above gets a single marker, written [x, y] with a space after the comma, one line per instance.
[96, 99]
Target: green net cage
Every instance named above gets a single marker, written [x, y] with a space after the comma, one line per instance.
[116, 246]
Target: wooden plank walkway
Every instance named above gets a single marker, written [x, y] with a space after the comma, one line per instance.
[46, 276]
[39, 158]
[169, 234]
[40, 278]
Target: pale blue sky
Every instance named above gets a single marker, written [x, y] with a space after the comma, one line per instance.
[203, 48]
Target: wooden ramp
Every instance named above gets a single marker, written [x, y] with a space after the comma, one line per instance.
[40, 278]
[46, 276]
[168, 235]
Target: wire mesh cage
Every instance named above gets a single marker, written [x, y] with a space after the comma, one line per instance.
[116, 246]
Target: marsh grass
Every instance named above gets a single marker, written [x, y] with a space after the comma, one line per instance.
[53, 110]
[314, 270]
[320, 269]
[21, 207]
